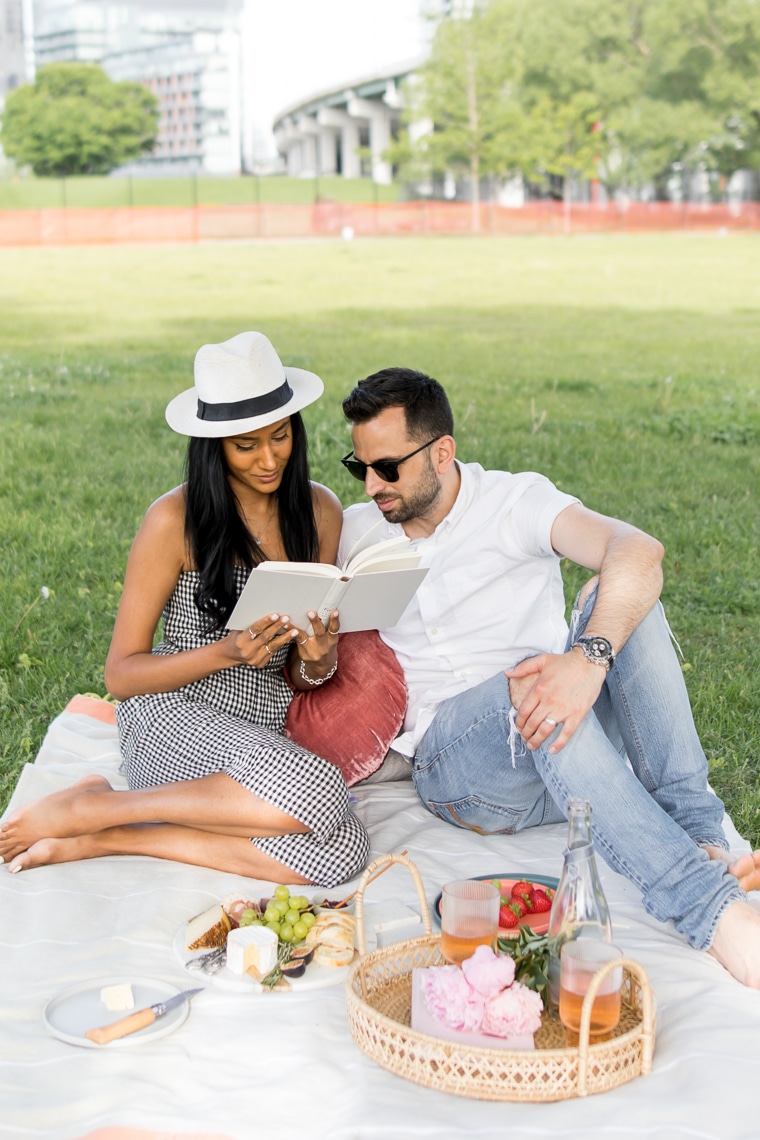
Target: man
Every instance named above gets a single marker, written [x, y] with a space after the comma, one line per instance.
[510, 715]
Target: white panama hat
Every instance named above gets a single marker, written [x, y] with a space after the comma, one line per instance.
[240, 385]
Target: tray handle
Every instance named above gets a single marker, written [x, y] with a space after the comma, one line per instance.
[385, 861]
[647, 1012]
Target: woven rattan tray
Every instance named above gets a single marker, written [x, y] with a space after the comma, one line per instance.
[379, 999]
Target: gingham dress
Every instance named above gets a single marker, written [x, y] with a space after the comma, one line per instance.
[232, 722]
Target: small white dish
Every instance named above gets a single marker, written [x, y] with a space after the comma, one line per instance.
[318, 901]
[78, 1008]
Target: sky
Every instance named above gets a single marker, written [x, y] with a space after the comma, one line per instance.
[295, 48]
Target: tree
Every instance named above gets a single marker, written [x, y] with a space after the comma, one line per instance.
[675, 81]
[75, 120]
[465, 93]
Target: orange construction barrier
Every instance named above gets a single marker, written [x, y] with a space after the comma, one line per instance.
[325, 218]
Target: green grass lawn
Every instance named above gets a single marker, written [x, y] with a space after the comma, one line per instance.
[625, 368]
[39, 193]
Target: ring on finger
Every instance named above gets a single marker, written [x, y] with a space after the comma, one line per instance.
[269, 651]
[332, 634]
[304, 641]
[549, 720]
[253, 635]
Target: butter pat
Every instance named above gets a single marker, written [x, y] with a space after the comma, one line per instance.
[117, 998]
[251, 948]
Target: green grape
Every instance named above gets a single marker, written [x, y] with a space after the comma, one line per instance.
[300, 930]
[308, 919]
[281, 893]
[247, 916]
[281, 906]
[291, 915]
[286, 932]
[275, 926]
[271, 914]
[299, 902]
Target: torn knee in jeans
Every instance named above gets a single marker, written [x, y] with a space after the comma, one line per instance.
[586, 590]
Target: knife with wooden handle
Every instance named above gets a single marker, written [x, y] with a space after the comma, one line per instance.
[139, 1020]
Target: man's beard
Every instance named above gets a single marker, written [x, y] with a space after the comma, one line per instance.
[420, 501]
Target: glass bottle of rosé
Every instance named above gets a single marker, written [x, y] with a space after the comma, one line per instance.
[579, 909]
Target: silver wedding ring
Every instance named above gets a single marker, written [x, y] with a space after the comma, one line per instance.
[549, 720]
[253, 635]
[304, 641]
[269, 651]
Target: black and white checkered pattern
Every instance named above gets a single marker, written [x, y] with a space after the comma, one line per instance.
[231, 722]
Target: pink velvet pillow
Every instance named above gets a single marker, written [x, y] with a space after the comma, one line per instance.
[353, 719]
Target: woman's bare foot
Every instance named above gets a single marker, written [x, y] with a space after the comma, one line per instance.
[46, 851]
[736, 944]
[56, 816]
[746, 868]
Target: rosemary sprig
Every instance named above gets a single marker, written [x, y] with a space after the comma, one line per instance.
[274, 975]
[531, 954]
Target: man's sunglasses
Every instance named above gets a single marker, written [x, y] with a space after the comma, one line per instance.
[387, 469]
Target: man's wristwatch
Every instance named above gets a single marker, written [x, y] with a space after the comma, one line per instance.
[598, 650]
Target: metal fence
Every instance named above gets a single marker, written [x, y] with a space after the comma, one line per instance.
[121, 225]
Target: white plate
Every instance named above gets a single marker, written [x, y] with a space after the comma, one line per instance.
[315, 978]
[72, 1012]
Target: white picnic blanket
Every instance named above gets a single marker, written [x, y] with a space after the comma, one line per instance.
[285, 1065]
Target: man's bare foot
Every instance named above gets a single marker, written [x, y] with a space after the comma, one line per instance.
[56, 816]
[736, 944]
[746, 868]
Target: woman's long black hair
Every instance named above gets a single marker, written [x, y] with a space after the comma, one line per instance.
[215, 530]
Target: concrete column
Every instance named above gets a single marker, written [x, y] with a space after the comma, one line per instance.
[328, 151]
[379, 118]
[349, 138]
[309, 152]
[349, 148]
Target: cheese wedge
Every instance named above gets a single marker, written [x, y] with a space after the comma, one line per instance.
[208, 930]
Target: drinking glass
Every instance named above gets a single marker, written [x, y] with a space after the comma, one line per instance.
[579, 961]
[469, 918]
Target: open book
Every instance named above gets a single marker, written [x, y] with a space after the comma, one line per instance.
[371, 589]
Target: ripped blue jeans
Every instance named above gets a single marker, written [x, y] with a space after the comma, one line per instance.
[650, 820]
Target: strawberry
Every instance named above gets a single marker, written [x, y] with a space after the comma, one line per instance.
[540, 901]
[519, 905]
[509, 916]
[521, 889]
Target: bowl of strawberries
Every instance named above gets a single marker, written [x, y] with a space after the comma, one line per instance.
[526, 900]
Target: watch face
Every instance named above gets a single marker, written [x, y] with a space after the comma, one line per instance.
[599, 646]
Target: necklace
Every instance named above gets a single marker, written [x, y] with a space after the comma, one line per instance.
[257, 538]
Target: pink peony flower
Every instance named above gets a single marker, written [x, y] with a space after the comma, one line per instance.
[515, 1012]
[451, 1000]
[489, 973]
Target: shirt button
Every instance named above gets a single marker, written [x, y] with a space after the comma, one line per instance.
[433, 631]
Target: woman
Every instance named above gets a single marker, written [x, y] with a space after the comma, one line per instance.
[212, 780]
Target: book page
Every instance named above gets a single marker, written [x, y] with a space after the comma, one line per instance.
[380, 550]
[322, 569]
[369, 539]
[401, 560]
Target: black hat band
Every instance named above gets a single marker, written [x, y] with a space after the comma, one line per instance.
[244, 409]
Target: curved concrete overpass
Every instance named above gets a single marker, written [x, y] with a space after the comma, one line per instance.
[323, 133]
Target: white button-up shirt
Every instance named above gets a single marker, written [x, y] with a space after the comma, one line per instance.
[493, 595]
